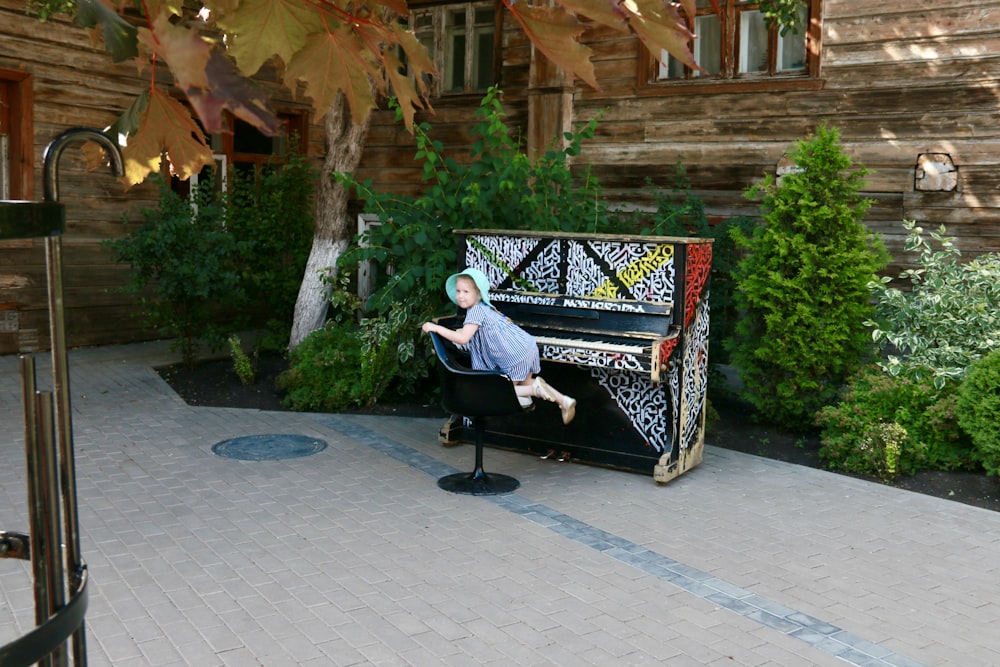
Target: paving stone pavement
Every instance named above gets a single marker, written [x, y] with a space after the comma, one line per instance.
[353, 556]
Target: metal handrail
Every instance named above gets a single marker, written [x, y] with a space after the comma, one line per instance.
[49, 454]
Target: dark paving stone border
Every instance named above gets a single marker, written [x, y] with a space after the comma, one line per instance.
[850, 648]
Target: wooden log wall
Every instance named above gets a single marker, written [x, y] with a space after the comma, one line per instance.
[74, 83]
[897, 79]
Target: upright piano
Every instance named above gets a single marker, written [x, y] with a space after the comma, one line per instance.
[622, 326]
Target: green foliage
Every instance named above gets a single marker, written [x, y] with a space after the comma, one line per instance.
[679, 213]
[47, 9]
[498, 188]
[785, 13]
[322, 374]
[725, 258]
[979, 410]
[887, 425]
[801, 290]
[390, 345]
[213, 263]
[348, 365]
[271, 217]
[948, 319]
[244, 364]
[185, 261]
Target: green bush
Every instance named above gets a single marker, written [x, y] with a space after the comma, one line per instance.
[270, 215]
[346, 365]
[182, 258]
[222, 261]
[948, 319]
[498, 187]
[883, 419]
[979, 410]
[801, 291]
[322, 374]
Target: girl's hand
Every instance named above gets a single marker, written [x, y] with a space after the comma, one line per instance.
[427, 327]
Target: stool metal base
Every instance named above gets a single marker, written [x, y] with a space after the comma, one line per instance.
[478, 483]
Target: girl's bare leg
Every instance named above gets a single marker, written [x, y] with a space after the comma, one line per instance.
[567, 404]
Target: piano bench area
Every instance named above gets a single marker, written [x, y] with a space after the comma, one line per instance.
[622, 326]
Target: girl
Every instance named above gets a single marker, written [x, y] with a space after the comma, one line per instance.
[497, 343]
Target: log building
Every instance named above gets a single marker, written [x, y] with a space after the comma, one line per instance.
[912, 88]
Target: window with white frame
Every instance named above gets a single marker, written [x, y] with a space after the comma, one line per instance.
[737, 44]
[461, 40]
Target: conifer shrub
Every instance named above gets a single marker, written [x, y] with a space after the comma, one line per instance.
[802, 289]
[979, 410]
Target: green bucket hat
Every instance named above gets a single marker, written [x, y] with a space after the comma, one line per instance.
[478, 277]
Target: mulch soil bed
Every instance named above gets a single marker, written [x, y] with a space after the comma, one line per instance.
[215, 383]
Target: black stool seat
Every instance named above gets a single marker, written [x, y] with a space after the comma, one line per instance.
[476, 395]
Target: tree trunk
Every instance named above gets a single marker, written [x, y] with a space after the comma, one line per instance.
[345, 143]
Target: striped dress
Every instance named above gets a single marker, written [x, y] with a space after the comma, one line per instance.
[501, 344]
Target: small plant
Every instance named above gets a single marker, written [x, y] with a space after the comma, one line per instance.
[882, 445]
[244, 365]
[270, 216]
[389, 344]
[979, 410]
[948, 319]
[801, 291]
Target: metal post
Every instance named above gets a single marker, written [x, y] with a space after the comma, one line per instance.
[49, 539]
[36, 499]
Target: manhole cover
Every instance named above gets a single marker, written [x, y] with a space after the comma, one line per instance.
[268, 447]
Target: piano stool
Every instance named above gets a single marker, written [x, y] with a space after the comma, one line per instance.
[476, 395]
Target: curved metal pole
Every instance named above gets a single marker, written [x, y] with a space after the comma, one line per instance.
[50, 158]
[60, 369]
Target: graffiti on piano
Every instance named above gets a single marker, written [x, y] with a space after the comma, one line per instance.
[642, 268]
[695, 365]
[644, 402]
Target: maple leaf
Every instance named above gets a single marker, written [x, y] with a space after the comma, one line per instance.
[119, 35]
[208, 78]
[183, 49]
[409, 82]
[656, 24]
[554, 32]
[264, 28]
[165, 126]
[660, 27]
[336, 61]
[606, 12]
[229, 90]
[402, 87]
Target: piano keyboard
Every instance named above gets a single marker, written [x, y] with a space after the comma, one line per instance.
[595, 345]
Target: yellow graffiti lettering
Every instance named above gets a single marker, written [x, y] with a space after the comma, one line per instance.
[636, 271]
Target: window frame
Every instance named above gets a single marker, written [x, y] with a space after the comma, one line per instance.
[17, 122]
[295, 123]
[440, 46]
[730, 79]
